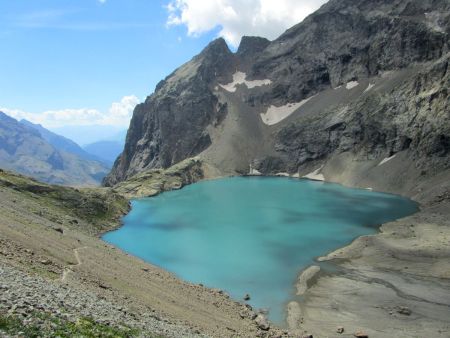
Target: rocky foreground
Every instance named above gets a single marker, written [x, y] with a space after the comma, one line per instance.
[58, 278]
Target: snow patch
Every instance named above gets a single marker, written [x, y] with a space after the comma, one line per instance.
[315, 175]
[369, 87]
[282, 174]
[240, 78]
[253, 172]
[351, 84]
[274, 114]
[387, 159]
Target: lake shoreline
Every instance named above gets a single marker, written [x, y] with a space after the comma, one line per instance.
[431, 195]
[176, 205]
[33, 246]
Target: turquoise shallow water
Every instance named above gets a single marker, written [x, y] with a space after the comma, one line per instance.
[252, 234]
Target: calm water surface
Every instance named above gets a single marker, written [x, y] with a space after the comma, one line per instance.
[251, 234]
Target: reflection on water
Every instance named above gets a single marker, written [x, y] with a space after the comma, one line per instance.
[252, 235]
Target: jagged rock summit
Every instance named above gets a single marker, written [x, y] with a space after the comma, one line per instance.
[356, 83]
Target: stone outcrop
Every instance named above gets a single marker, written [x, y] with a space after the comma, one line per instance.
[155, 181]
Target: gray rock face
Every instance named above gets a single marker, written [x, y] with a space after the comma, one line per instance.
[250, 48]
[409, 118]
[171, 124]
[347, 40]
[399, 48]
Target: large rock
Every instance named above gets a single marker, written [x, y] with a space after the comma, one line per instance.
[262, 322]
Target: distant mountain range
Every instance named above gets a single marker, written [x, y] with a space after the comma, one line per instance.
[107, 151]
[62, 143]
[101, 143]
[88, 134]
[32, 150]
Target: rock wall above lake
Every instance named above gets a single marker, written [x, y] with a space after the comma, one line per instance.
[367, 78]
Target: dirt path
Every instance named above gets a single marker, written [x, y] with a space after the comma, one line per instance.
[68, 269]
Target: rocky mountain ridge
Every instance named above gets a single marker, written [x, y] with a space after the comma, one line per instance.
[340, 74]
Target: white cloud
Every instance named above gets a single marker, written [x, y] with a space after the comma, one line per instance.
[266, 18]
[119, 114]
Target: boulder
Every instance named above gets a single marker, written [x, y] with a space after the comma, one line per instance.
[404, 311]
[262, 322]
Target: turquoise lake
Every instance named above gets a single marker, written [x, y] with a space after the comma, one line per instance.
[252, 234]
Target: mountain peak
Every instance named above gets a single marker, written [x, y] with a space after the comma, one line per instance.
[216, 48]
[252, 44]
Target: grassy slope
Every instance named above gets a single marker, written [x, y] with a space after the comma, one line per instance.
[44, 325]
[92, 210]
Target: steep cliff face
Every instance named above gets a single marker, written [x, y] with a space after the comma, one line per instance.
[171, 124]
[347, 40]
[413, 116]
[369, 78]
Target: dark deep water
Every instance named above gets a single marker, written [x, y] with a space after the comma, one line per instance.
[252, 234]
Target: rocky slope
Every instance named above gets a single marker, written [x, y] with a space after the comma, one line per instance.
[155, 181]
[57, 278]
[331, 84]
[25, 150]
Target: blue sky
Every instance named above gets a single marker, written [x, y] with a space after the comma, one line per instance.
[67, 63]
[59, 54]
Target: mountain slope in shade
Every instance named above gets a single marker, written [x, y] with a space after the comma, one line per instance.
[24, 150]
[107, 151]
[63, 143]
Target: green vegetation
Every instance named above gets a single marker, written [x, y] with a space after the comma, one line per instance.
[89, 209]
[44, 325]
